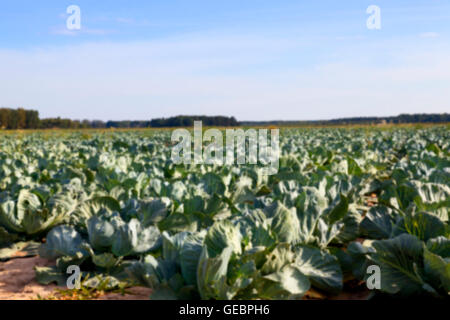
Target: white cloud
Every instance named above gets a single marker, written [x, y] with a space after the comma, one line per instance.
[213, 74]
[63, 31]
[351, 38]
[125, 20]
[429, 35]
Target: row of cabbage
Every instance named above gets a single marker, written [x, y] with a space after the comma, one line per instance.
[118, 207]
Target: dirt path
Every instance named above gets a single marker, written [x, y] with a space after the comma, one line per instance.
[17, 282]
[17, 279]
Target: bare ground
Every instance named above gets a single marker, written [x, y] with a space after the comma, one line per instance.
[17, 279]
[17, 282]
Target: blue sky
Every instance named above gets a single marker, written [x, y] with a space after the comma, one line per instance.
[253, 59]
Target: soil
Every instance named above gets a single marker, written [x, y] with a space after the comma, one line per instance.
[17, 282]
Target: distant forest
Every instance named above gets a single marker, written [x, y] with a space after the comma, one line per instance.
[403, 118]
[29, 119]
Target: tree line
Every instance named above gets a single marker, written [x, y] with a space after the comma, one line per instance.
[188, 121]
[19, 119]
[29, 119]
[403, 118]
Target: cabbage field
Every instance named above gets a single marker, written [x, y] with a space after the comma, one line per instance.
[344, 202]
